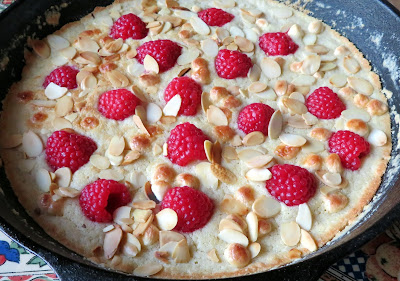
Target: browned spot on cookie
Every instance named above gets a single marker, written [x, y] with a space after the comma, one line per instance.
[287, 152]
[224, 133]
[39, 117]
[140, 142]
[25, 96]
[89, 123]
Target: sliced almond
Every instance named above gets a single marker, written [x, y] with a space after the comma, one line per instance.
[297, 96]
[123, 212]
[258, 174]
[150, 64]
[266, 207]
[252, 222]
[309, 39]
[209, 47]
[111, 241]
[332, 179]
[188, 56]
[117, 79]
[236, 31]
[253, 138]
[229, 224]
[53, 91]
[356, 113]
[110, 174]
[361, 85]
[315, 27]
[117, 146]
[140, 125]
[351, 65]
[295, 31]
[135, 69]
[181, 252]
[294, 106]
[64, 106]
[216, 116]
[57, 42]
[327, 66]
[167, 219]
[89, 82]
[254, 73]
[257, 87]
[307, 241]
[270, 68]
[309, 119]
[148, 269]
[63, 176]
[173, 106]
[61, 123]
[233, 236]
[43, 180]
[304, 80]
[208, 149]
[258, 161]
[99, 161]
[311, 64]
[275, 125]
[41, 48]
[292, 140]
[229, 153]
[108, 228]
[87, 44]
[248, 154]
[254, 249]
[199, 26]
[170, 236]
[244, 44]
[130, 238]
[290, 233]
[223, 174]
[304, 217]
[205, 101]
[207, 178]
[130, 157]
[377, 137]
[318, 49]
[212, 255]
[44, 103]
[230, 205]
[297, 121]
[282, 13]
[338, 80]
[32, 144]
[144, 205]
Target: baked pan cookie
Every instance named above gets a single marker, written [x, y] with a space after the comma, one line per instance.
[195, 139]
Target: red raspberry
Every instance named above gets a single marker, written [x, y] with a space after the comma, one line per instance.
[255, 117]
[325, 104]
[186, 144]
[215, 17]
[232, 64]
[291, 184]
[99, 199]
[190, 92]
[65, 149]
[64, 76]
[277, 44]
[350, 147]
[193, 207]
[118, 104]
[129, 26]
[165, 52]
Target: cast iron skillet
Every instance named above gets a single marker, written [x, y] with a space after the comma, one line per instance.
[368, 17]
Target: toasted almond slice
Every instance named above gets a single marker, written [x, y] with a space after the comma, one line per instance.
[53, 91]
[377, 137]
[304, 80]
[188, 56]
[129, 249]
[110, 174]
[332, 179]
[130, 157]
[338, 80]
[63, 176]
[64, 106]
[144, 205]
[11, 141]
[209, 47]
[297, 96]
[320, 175]
[297, 121]
[326, 66]
[351, 65]
[253, 138]
[307, 241]
[257, 87]
[140, 125]
[207, 178]
[270, 68]
[130, 238]
[135, 69]
[318, 49]
[294, 106]
[311, 64]
[205, 101]
[150, 64]
[140, 215]
[266, 207]
[44, 103]
[41, 48]
[229, 153]
[252, 222]
[275, 125]
[254, 249]
[282, 13]
[356, 113]
[32, 144]
[199, 26]
[230, 205]
[111, 241]
[254, 73]
[89, 82]
[258, 174]
[208, 149]
[304, 217]
[224, 4]
[258, 161]
[233, 236]
[57, 42]
[181, 252]
[117, 146]
[361, 85]
[292, 140]
[167, 219]
[290, 233]
[212, 255]
[170, 236]
[148, 269]
[315, 27]
[309, 119]
[99, 161]
[244, 44]
[229, 224]
[223, 174]
[61, 123]
[295, 31]
[43, 179]
[248, 154]
[173, 105]
[216, 116]
[165, 149]
[87, 44]
[236, 31]
[157, 149]
[108, 228]
[68, 53]
[123, 212]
